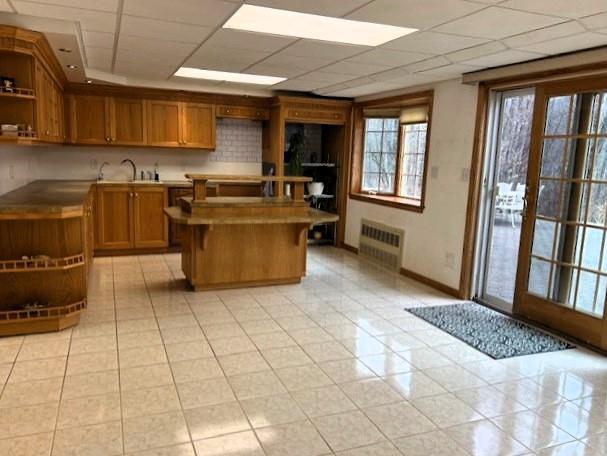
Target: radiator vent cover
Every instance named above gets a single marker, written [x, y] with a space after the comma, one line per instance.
[381, 243]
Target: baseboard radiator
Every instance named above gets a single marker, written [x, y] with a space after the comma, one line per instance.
[381, 243]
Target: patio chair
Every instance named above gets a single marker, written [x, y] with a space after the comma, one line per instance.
[509, 202]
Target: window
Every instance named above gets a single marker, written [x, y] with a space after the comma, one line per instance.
[392, 155]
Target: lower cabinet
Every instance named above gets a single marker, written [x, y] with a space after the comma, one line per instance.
[131, 217]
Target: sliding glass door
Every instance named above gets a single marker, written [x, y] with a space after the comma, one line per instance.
[562, 271]
[505, 176]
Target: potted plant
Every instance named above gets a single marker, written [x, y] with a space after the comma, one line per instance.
[296, 150]
[316, 187]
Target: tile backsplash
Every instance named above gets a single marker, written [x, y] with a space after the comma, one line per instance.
[238, 151]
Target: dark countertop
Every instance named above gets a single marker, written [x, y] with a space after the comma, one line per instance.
[45, 199]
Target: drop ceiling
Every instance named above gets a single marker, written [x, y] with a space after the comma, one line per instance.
[143, 42]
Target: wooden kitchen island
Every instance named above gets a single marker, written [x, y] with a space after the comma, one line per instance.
[231, 242]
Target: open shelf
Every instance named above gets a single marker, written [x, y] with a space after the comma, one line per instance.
[42, 313]
[318, 165]
[52, 264]
[54, 318]
[27, 94]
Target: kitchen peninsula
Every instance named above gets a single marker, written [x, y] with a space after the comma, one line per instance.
[230, 242]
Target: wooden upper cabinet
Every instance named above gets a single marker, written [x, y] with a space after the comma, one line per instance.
[198, 125]
[128, 123]
[89, 120]
[243, 112]
[320, 116]
[49, 112]
[164, 124]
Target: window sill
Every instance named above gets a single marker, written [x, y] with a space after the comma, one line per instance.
[390, 201]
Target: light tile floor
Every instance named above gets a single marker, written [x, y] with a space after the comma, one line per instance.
[332, 366]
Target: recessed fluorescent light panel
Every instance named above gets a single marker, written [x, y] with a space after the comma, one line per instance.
[245, 78]
[273, 21]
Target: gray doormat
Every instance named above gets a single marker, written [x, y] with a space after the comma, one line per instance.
[490, 332]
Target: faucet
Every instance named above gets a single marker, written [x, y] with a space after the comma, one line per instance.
[100, 173]
[128, 160]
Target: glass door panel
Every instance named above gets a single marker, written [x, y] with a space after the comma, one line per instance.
[563, 265]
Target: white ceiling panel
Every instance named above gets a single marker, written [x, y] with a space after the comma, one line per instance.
[88, 19]
[433, 43]
[545, 34]
[324, 50]
[597, 21]
[172, 60]
[299, 63]
[236, 39]
[143, 70]
[324, 77]
[388, 58]
[268, 69]
[497, 23]
[208, 13]
[451, 71]
[565, 8]
[429, 64]
[355, 69]
[477, 51]
[162, 30]
[299, 85]
[571, 43]
[98, 5]
[504, 58]
[224, 59]
[367, 89]
[98, 39]
[160, 47]
[99, 58]
[323, 7]
[414, 13]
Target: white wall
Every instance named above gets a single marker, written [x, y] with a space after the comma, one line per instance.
[238, 151]
[434, 239]
[18, 166]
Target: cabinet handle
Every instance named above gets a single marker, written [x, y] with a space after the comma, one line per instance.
[131, 194]
[107, 139]
[113, 139]
[136, 195]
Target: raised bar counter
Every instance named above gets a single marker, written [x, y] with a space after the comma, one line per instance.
[230, 242]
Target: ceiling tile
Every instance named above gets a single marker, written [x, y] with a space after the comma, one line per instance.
[355, 69]
[476, 51]
[267, 69]
[325, 50]
[388, 58]
[99, 58]
[324, 77]
[161, 30]
[498, 23]
[450, 71]
[596, 21]
[367, 89]
[432, 43]
[98, 39]
[565, 8]
[299, 85]
[429, 64]
[89, 20]
[545, 34]
[322, 7]
[299, 63]
[161, 47]
[98, 5]
[224, 59]
[236, 39]
[568, 44]
[504, 58]
[209, 13]
[414, 13]
[142, 69]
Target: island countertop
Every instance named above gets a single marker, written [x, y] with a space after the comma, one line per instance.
[46, 199]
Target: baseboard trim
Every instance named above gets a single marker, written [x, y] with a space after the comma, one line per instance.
[431, 283]
[349, 248]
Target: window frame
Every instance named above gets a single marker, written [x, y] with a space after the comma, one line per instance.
[358, 155]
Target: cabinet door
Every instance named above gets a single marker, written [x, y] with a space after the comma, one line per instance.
[127, 121]
[243, 112]
[198, 126]
[113, 215]
[89, 120]
[174, 229]
[42, 123]
[150, 222]
[163, 128]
